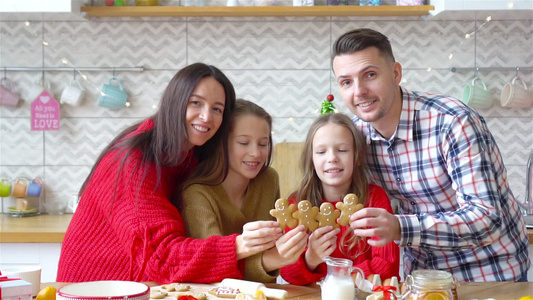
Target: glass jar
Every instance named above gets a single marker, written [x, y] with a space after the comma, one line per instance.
[430, 284]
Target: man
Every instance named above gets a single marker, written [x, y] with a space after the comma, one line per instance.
[437, 159]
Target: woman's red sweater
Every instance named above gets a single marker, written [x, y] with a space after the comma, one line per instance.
[136, 233]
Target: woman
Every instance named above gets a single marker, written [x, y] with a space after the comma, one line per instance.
[126, 226]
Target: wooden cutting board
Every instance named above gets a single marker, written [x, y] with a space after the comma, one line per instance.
[294, 291]
[196, 288]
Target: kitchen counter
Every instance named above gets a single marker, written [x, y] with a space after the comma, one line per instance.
[35, 229]
[469, 290]
[51, 229]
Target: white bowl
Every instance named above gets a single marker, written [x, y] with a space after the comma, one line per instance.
[29, 273]
[98, 290]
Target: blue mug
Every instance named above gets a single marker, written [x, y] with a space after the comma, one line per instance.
[113, 96]
[34, 188]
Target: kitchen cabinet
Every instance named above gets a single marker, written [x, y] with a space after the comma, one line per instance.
[33, 240]
[255, 11]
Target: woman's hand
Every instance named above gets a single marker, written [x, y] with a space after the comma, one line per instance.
[257, 237]
[322, 242]
[376, 222]
[288, 249]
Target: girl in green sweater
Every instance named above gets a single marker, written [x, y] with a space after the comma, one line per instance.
[240, 203]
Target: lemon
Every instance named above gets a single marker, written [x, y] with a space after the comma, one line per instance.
[48, 293]
[259, 295]
[436, 296]
[526, 298]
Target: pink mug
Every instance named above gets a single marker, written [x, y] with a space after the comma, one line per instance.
[8, 97]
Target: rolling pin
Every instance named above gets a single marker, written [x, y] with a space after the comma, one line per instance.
[249, 287]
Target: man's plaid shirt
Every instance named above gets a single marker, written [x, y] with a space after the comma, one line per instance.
[445, 172]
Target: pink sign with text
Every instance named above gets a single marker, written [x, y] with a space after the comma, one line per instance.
[44, 112]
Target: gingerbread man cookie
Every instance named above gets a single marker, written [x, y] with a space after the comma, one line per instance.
[348, 206]
[306, 215]
[283, 213]
[328, 215]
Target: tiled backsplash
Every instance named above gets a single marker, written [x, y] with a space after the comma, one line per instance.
[280, 63]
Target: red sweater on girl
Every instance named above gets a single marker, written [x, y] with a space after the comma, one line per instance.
[139, 235]
[384, 261]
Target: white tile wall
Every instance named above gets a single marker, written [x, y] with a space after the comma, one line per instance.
[280, 63]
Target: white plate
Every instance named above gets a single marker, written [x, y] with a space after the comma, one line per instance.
[99, 290]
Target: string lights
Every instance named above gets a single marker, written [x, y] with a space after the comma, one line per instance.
[66, 62]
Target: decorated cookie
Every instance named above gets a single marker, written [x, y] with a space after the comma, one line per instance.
[283, 213]
[224, 292]
[200, 296]
[181, 287]
[348, 206]
[157, 294]
[306, 215]
[178, 287]
[328, 215]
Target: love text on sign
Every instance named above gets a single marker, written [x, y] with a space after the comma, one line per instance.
[45, 113]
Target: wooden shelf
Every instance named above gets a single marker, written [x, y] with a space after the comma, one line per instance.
[255, 11]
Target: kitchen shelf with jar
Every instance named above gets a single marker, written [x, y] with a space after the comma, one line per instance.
[255, 11]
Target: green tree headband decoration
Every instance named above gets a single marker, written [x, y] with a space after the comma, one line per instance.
[327, 105]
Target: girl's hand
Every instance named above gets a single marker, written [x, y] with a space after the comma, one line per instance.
[292, 244]
[322, 242]
[288, 249]
[376, 222]
[257, 237]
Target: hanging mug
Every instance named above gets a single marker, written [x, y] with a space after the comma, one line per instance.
[516, 95]
[5, 188]
[72, 94]
[19, 188]
[8, 97]
[477, 96]
[34, 188]
[113, 96]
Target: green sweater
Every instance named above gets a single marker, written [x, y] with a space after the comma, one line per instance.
[208, 211]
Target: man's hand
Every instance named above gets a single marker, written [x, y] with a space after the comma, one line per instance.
[376, 222]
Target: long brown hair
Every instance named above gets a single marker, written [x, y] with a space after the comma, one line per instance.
[164, 144]
[310, 186]
[212, 172]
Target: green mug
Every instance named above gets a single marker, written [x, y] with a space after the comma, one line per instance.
[5, 188]
[477, 95]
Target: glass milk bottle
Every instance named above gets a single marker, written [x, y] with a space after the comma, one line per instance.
[338, 284]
